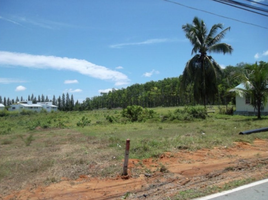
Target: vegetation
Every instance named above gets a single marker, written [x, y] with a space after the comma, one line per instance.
[68, 144]
[201, 71]
[165, 93]
[255, 81]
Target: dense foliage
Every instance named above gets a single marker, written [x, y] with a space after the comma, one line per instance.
[164, 93]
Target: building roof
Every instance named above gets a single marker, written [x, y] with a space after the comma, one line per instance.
[31, 105]
[2, 105]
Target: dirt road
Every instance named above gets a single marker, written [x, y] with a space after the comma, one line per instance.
[165, 177]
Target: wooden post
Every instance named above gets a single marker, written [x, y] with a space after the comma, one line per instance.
[125, 167]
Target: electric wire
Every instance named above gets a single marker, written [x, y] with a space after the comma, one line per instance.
[256, 2]
[243, 6]
[170, 1]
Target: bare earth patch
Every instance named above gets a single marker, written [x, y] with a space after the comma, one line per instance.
[163, 177]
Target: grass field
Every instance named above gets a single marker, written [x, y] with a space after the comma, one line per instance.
[45, 147]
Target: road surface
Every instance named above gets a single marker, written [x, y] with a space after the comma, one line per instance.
[253, 191]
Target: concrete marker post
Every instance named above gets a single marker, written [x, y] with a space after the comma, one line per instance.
[125, 165]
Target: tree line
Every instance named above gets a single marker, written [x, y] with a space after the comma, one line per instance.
[167, 93]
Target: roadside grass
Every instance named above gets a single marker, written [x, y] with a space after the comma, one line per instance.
[46, 147]
[197, 192]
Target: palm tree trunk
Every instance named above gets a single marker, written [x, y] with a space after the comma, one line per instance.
[204, 80]
[259, 110]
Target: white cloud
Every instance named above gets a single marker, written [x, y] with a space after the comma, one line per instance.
[119, 67]
[20, 88]
[146, 42]
[63, 63]
[41, 23]
[70, 81]
[9, 20]
[73, 91]
[107, 90]
[259, 55]
[149, 74]
[10, 80]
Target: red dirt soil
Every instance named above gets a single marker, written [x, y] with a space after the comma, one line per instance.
[164, 177]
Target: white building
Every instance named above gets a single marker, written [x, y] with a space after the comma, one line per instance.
[48, 106]
[28, 105]
[243, 106]
[2, 107]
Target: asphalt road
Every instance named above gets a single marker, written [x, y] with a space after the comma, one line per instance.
[253, 191]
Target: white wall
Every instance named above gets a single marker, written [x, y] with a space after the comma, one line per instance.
[2, 107]
[241, 105]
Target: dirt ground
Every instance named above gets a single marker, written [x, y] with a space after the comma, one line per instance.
[164, 177]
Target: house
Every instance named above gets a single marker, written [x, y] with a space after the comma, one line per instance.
[48, 106]
[243, 106]
[2, 107]
[28, 105]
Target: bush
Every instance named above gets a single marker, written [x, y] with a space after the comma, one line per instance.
[188, 113]
[27, 112]
[132, 112]
[196, 111]
[111, 119]
[3, 113]
[83, 122]
[137, 113]
[5, 131]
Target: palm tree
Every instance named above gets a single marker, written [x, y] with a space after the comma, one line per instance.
[255, 81]
[202, 70]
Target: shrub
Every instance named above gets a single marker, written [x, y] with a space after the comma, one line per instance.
[196, 111]
[147, 114]
[188, 113]
[27, 112]
[111, 119]
[5, 131]
[83, 122]
[137, 113]
[3, 113]
[132, 112]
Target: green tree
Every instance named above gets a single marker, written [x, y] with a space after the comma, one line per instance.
[59, 103]
[63, 102]
[202, 70]
[54, 102]
[255, 81]
[71, 103]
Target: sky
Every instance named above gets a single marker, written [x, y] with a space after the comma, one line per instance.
[85, 47]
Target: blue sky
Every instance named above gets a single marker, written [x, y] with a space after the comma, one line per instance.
[86, 47]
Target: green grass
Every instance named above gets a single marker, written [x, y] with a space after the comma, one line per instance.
[53, 145]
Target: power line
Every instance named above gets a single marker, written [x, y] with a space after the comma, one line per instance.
[256, 2]
[243, 6]
[170, 1]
